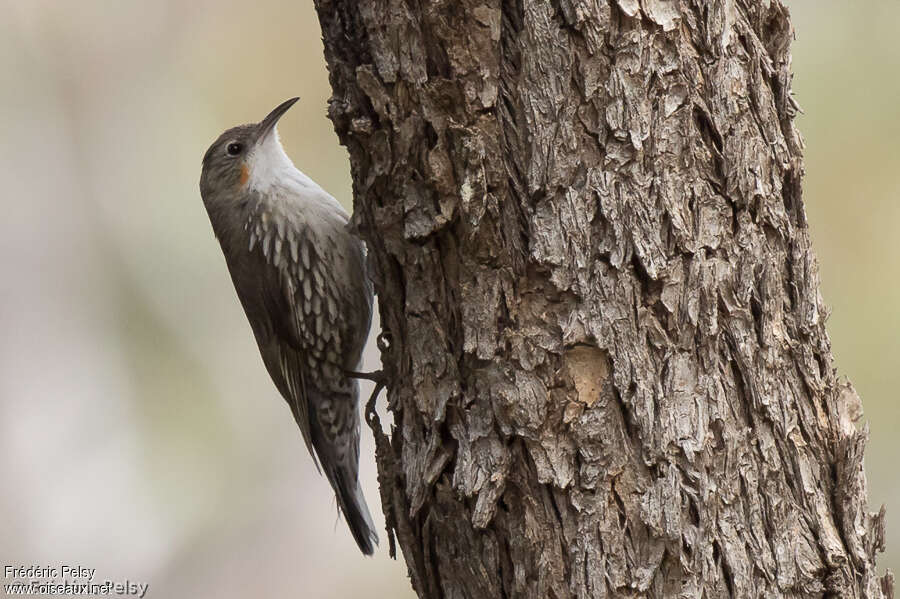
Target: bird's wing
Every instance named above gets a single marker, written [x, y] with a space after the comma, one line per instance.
[323, 281]
[314, 301]
[263, 269]
[293, 370]
[283, 357]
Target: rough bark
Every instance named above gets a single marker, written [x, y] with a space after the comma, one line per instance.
[610, 375]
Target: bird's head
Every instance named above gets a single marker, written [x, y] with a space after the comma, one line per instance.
[245, 157]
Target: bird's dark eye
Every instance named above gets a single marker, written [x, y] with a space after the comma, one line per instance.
[234, 148]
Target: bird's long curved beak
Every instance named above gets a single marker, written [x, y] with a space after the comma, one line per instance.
[267, 125]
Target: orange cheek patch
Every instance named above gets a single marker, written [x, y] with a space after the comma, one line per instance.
[245, 175]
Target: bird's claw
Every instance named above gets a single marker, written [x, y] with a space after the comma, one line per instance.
[376, 376]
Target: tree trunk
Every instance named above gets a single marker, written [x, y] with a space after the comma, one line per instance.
[609, 371]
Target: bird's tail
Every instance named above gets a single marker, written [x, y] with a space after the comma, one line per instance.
[334, 424]
[356, 512]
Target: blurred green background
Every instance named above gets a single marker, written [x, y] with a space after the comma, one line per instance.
[139, 432]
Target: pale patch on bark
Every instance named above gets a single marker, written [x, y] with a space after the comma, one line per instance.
[589, 369]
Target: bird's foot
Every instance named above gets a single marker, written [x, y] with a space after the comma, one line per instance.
[380, 380]
[376, 376]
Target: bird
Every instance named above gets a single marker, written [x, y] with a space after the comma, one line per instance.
[300, 275]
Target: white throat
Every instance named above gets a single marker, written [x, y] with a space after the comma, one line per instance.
[269, 165]
[275, 178]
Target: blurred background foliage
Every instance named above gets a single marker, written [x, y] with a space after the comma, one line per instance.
[139, 432]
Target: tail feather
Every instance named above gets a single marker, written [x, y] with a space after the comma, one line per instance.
[334, 428]
[356, 512]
